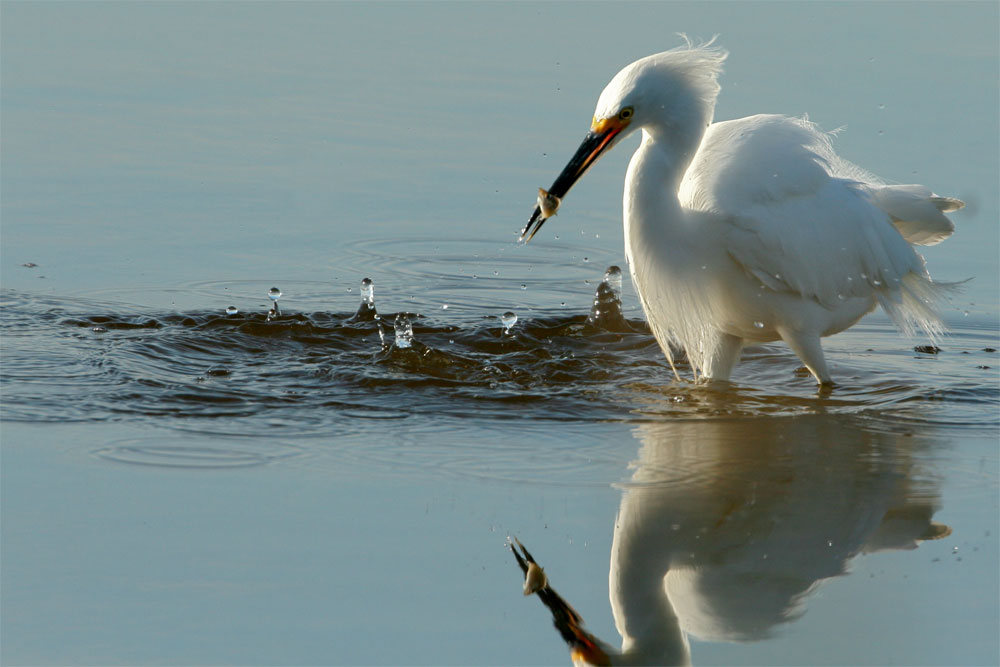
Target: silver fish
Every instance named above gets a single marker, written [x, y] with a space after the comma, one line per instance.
[548, 203]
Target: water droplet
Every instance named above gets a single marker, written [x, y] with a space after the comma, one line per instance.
[840, 296]
[444, 306]
[877, 283]
[368, 291]
[99, 329]
[274, 294]
[613, 277]
[404, 331]
[509, 319]
[232, 310]
[366, 311]
[759, 325]
[829, 543]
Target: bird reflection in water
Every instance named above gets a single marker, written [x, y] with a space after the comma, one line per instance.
[726, 527]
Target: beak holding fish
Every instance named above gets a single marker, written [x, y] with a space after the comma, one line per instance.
[604, 133]
[548, 203]
[546, 206]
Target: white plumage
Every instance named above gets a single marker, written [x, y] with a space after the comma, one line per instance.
[753, 230]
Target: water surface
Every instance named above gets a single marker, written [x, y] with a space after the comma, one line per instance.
[187, 485]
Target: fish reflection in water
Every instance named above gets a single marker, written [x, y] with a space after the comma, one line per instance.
[726, 527]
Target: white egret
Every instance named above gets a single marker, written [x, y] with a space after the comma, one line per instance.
[752, 230]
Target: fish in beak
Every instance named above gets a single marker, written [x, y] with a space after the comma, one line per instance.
[601, 137]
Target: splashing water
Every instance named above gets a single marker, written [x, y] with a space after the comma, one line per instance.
[232, 310]
[508, 319]
[404, 331]
[273, 294]
[366, 311]
[606, 313]
[613, 278]
[321, 365]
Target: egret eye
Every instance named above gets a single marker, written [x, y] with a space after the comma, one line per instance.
[625, 113]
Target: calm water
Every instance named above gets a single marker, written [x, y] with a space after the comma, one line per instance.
[183, 485]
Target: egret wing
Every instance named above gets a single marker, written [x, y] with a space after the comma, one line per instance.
[797, 217]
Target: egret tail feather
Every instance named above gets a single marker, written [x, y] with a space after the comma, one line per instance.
[916, 305]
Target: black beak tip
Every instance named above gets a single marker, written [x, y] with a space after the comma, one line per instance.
[534, 224]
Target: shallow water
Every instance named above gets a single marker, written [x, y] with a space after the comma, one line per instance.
[183, 485]
[539, 431]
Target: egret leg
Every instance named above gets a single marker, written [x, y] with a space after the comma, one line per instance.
[723, 356]
[807, 347]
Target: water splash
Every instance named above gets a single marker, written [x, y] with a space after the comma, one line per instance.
[366, 311]
[606, 313]
[232, 310]
[404, 331]
[312, 368]
[508, 319]
[613, 278]
[273, 294]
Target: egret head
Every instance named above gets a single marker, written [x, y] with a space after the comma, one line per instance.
[671, 93]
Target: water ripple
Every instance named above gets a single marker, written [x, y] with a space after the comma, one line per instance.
[177, 452]
[325, 372]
